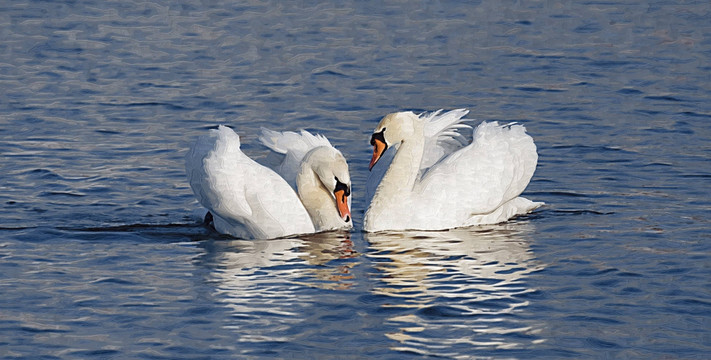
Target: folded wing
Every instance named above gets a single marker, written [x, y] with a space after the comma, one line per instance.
[494, 169]
[241, 192]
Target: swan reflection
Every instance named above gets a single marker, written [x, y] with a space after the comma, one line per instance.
[262, 281]
[460, 287]
[235, 263]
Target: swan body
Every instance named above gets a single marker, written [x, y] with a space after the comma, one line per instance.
[251, 201]
[436, 180]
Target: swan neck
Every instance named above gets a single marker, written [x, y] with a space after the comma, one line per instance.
[316, 199]
[403, 170]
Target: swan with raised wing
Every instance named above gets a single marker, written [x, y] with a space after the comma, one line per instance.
[308, 192]
[436, 180]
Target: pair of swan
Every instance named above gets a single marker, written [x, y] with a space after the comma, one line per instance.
[431, 179]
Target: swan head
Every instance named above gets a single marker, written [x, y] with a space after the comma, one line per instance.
[331, 170]
[392, 130]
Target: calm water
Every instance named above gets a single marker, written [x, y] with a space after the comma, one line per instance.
[99, 257]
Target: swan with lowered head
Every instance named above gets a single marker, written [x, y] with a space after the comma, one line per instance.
[251, 201]
[435, 180]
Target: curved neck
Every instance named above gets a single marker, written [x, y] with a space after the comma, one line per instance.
[394, 193]
[317, 200]
[402, 173]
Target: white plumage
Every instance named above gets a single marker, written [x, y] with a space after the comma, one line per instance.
[294, 146]
[435, 180]
[249, 200]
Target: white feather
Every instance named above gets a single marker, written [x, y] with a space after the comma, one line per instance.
[457, 183]
[294, 146]
[442, 136]
[241, 193]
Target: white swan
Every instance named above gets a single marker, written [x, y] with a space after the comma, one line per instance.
[251, 201]
[436, 181]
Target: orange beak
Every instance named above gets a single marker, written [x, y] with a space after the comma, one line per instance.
[342, 205]
[379, 147]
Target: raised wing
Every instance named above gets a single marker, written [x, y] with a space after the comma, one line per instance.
[240, 191]
[442, 135]
[294, 146]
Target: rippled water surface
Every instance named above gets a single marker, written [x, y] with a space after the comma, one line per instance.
[100, 257]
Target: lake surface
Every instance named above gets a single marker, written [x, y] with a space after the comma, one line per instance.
[100, 257]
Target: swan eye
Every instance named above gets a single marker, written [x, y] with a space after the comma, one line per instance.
[342, 186]
[378, 136]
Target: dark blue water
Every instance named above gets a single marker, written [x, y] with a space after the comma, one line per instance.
[99, 257]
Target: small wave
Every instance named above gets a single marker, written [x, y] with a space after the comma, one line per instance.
[61, 193]
[545, 213]
[696, 114]
[611, 63]
[664, 98]
[583, 212]
[15, 228]
[559, 193]
[135, 227]
[170, 233]
[692, 176]
[629, 91]
[590, 148]
[439, 311]
[330, 73]
[37, 330]
[539, 89]
[43, 174]
[147, 104]
[112, 280]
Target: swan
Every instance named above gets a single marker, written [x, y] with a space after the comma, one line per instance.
[434, 179]
[308, 192]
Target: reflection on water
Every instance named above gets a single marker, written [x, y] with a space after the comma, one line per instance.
[435, 293]
[464, 287]
[263, 282]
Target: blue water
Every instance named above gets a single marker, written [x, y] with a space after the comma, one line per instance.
[99, 257]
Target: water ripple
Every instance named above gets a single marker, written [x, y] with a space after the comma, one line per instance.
[453, 276]
[101, 258]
